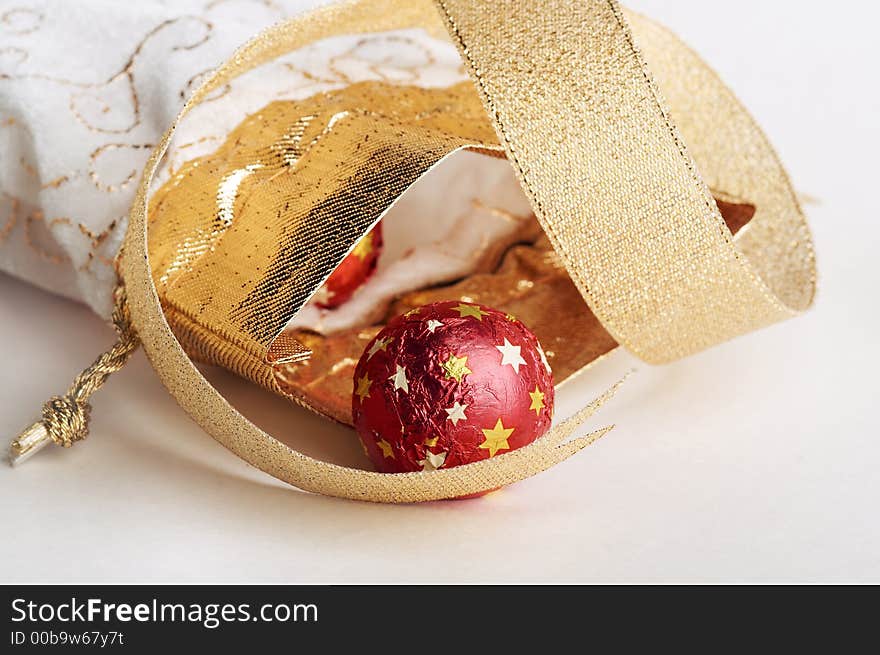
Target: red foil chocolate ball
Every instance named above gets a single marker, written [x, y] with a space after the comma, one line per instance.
[448, 384]
[354, 270]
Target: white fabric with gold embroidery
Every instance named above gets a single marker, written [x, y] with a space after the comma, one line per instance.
[87, 88]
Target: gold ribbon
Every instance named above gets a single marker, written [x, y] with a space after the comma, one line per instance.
[610, 180]
[614, 186]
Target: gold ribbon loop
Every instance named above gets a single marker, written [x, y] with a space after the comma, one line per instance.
[609, 178]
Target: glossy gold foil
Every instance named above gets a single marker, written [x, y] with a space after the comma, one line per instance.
[226, 230]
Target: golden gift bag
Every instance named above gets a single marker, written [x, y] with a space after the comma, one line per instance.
[636, 243]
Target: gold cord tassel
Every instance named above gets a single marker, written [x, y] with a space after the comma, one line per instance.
[65, 419]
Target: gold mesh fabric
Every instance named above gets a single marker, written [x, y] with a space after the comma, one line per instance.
[241, 239]
[580, 118]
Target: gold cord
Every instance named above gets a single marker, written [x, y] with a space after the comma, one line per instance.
[65, 419]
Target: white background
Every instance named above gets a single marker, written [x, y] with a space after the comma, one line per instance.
[754, 462]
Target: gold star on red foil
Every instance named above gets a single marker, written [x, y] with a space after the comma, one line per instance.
[537, 397]
[364, 247]
[378, 344]
[385, 447]
[496, 438]
[456, 367]
[433, 325]
[363, 387]
[470, 310]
